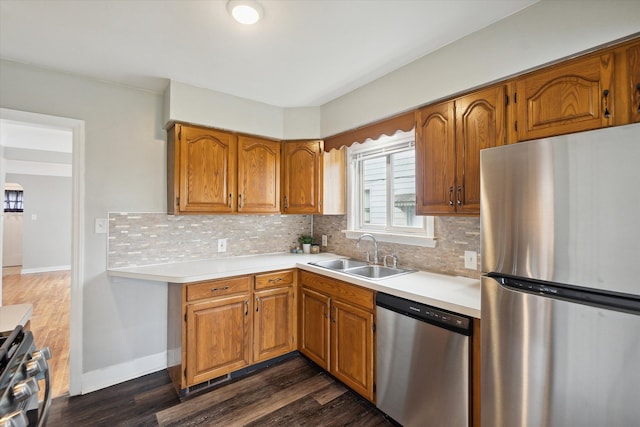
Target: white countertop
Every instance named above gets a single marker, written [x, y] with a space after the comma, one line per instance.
[14, 315]
[454, 293]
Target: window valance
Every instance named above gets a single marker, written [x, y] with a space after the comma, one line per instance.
[390, 126]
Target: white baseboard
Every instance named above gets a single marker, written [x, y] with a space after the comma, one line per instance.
[45, 269]
[116, 374]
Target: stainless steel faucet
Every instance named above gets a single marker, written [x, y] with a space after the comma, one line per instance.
[375, 244]
[394, 259]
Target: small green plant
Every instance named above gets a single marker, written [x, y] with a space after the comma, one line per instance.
[305, 239]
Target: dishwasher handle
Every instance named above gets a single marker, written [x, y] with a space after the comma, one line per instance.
[425, 313]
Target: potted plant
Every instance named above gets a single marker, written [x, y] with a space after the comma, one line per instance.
[306, 241]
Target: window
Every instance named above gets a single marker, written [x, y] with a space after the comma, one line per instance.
[382, 195]
[13, 201]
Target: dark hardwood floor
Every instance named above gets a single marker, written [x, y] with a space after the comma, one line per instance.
[295, 392]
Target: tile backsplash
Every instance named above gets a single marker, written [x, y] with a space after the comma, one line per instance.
[153, 238]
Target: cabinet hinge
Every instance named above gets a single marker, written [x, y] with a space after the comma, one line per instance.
[516, 125]
[185, 317]
[506, 100]
[374, 387]
[185, 372]
[180, 134]
[515, 98]
[373, 327]
[177, 201]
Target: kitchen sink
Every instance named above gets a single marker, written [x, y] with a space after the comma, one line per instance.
[361, 268]
[374, 272]
[339, 264]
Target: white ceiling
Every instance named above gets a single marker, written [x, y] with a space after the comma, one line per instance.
[303, 53]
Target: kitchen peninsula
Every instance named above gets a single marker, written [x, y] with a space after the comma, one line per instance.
[212, 335]
[455, 293]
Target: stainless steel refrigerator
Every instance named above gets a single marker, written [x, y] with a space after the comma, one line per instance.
[560, 239]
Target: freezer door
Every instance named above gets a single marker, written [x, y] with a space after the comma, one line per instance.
[565, 209]
[550, 362]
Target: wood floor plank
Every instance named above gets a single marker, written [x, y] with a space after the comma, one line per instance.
[329, 393]
[253, 387]
[243, 415]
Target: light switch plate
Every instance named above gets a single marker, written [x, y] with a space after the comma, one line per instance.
[471, 260]
[222, 245]
[101, 226]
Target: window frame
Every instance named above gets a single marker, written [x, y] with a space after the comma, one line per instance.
[382, 147]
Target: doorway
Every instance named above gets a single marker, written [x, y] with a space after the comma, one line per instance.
[28, 160]
[12, 226]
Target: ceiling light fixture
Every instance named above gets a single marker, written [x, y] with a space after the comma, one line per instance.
[245, 11]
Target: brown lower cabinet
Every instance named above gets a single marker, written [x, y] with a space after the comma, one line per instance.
[216, 327]
[336, 330]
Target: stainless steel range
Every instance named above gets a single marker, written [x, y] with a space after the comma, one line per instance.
[22, 369]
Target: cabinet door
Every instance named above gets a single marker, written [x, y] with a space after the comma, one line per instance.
[352, 347]
[273, 323]
[435, 160]
[302, 178]
[314, 330]
[480, 123]
[207, 170]
[632, 59]
[570, 97]
[218, 337]
[258, 175]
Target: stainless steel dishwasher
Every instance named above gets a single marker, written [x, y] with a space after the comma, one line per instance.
[422, 363]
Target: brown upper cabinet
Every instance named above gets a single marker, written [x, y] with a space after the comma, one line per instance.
[258, 175]
[449, 137]
[627, 72]
[573, 96]
[313, 181]
[212, 171]
[302, 177]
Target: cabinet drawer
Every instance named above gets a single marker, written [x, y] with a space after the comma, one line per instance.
[214, 288]
[276, 278]
[341, 290]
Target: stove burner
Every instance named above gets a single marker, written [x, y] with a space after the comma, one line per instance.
[21, 369]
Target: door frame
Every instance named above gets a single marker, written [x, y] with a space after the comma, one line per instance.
[77, 127]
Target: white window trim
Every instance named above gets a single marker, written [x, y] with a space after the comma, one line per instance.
[424, 240]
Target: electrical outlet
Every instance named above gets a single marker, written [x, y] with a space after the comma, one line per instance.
[222, 245]
[324, 240]
[471, 260]
[101, 226]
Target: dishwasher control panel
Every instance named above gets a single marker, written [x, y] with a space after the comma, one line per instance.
[426, 313]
